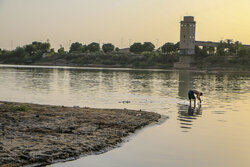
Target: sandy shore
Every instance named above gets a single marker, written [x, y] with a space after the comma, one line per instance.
[42, 134]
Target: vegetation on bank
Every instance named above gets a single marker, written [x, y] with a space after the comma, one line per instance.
[140, 55]
[14, 108]
[228, 54]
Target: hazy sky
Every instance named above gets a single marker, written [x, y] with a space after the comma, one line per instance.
[119, 21]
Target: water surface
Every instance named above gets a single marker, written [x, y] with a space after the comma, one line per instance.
[217, 134]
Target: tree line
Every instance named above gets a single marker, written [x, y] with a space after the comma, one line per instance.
[228, 53]
[137, 47]
[77, 47]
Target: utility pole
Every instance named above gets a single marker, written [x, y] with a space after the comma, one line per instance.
[129, 42]
[69, 44]
[121, 42]
[157, 42]
[11, 45]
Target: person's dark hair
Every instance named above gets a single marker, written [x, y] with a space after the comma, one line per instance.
[201, 93]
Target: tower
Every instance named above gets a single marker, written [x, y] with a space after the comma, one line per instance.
[187, 38]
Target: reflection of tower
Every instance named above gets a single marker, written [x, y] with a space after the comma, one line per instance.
[187, 38]
[185, 83]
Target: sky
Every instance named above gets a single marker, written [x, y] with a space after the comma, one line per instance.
[121, 22]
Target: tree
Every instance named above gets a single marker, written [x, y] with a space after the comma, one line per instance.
[177, 46]
[84, 48]
[94, 47]
[30, 49]
[148, 46]
[61, 50]
[169, 47]
[210, 50]
[52, 50]
[117, 49]
[136, 48]
[75, 47]
[45, 47]
[221, 49]
[19, 52]
[108, 47]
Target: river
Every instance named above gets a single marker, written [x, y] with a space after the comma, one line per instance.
[217, 134]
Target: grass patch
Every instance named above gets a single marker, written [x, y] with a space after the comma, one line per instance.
[14, 108]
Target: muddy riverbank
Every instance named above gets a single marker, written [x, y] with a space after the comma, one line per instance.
[43, 134]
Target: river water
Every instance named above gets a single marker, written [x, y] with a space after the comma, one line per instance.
[216, 134]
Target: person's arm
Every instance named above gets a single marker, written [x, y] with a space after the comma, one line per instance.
[198, 97]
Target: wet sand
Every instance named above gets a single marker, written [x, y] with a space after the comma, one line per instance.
[43, 134]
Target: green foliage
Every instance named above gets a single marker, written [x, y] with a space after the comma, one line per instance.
[108, 47]
[14, 108]
[148, 47]
[139, 48]
[37, 46]
[84, 48]
[19, 52]
[76, 47]
[170, 47]
[94, 47]
[30, 49]
[177, 46]
[61, 50]
[27, 54]
[229, 54]
[136, 48]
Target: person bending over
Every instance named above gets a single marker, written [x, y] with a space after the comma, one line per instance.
[192, 94]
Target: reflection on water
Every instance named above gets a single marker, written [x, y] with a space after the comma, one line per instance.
[185, 83]
[220, 128]
[188, 115]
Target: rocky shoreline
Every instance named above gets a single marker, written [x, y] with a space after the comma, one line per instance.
[39, 135]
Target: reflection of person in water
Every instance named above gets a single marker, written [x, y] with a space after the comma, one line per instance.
[188, 115]
[192, 94]
[194, 111]
[190, 111]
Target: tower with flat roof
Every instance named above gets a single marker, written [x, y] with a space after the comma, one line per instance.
[187, 38]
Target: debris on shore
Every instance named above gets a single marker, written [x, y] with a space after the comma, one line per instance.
[42, 134]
